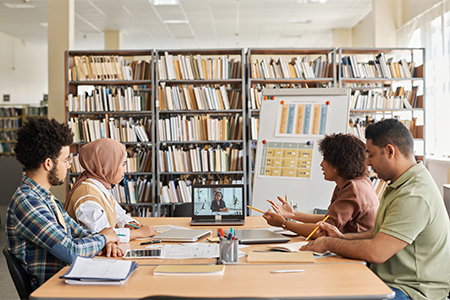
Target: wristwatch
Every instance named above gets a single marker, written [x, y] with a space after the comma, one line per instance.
[284, 225]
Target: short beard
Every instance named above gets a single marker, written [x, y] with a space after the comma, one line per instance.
[53, 177]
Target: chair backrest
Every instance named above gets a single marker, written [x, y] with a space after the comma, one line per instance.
[320, 211]
[183, 210]
[19, 276]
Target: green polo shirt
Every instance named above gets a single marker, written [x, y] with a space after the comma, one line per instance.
[413, 211]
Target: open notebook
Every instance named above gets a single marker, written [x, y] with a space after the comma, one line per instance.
[218, 205]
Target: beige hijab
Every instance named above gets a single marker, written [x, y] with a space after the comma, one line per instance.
[101, 160]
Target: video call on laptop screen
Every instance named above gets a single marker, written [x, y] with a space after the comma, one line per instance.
[214, 200]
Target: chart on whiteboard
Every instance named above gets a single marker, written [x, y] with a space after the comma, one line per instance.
[290, 160]
[302, 118]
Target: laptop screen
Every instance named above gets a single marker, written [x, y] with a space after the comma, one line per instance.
[224, 200]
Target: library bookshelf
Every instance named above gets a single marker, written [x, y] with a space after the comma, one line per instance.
[110, 94]
[201, 118]
[385, 83]
[282, 68]
[11, 119]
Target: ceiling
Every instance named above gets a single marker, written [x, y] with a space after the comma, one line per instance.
[204, 23]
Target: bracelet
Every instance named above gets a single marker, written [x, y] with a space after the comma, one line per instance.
[284, 225]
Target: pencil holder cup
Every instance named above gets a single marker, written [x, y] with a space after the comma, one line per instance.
[229, 252]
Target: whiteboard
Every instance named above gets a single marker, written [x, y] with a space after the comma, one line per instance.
[287, 162]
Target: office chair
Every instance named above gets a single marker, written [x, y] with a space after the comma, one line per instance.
[183, 210]
[320, 211]
[18, 274]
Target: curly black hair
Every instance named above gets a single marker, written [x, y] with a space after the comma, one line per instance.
[41, 138]
[346, 153]
[391, 131]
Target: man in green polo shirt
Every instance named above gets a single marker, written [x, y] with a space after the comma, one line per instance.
[409, 247]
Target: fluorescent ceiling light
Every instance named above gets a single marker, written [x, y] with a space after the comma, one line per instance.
[176, 22]
[300, 21]
[164, 2]
[18, 5]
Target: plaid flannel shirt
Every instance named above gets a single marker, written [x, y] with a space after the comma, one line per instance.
[38, 240]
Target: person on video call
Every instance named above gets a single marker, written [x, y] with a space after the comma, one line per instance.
[218, 204]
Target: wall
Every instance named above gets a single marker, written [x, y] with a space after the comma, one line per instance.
[363, 34]
[23, 71]
[412, 8]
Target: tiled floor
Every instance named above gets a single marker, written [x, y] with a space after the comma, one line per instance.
[7, 288]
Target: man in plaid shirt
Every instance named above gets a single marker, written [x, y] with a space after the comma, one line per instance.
[39, 232]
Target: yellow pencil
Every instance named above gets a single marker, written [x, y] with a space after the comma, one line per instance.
[315, 229]
[255, 209]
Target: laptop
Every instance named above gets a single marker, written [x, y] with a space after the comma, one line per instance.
[183, 235]
[218, 205]
[259, 236]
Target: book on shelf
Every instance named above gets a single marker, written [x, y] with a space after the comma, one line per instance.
[132, 190]
[107, 67]
[200, 128]
[200, 159]
[386, 99]
[189, 97]
[380, 67]
[298, 68]
[195, 67]
[103, 98]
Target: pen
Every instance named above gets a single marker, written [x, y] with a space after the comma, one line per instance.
[220, 232]
[315, 229]
[287, 271]
[230, 236]
[132, 225]
[119, 234]
[255, 209]
[150, 242]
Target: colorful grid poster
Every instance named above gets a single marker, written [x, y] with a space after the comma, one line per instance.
[287, 160]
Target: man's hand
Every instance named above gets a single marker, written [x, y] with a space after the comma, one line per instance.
[111, 249]
[110, 235]
[318, 245]
[225, 209]
[284, 209]
[273, 219]
[327, 229]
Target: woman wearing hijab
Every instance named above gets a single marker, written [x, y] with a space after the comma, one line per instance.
[90, 201]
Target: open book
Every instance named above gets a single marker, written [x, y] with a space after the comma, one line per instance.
[293, 247]
[99, 271]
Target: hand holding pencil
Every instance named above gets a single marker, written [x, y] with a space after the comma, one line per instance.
[315, 229]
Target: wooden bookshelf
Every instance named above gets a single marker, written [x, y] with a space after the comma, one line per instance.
[200, 121]
[110, 94]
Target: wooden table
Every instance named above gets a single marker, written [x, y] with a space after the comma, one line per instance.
[328, 278]
[319, 281]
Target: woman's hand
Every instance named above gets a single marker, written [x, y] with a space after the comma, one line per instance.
[273, 219]
[146, 231]
[284, 209]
